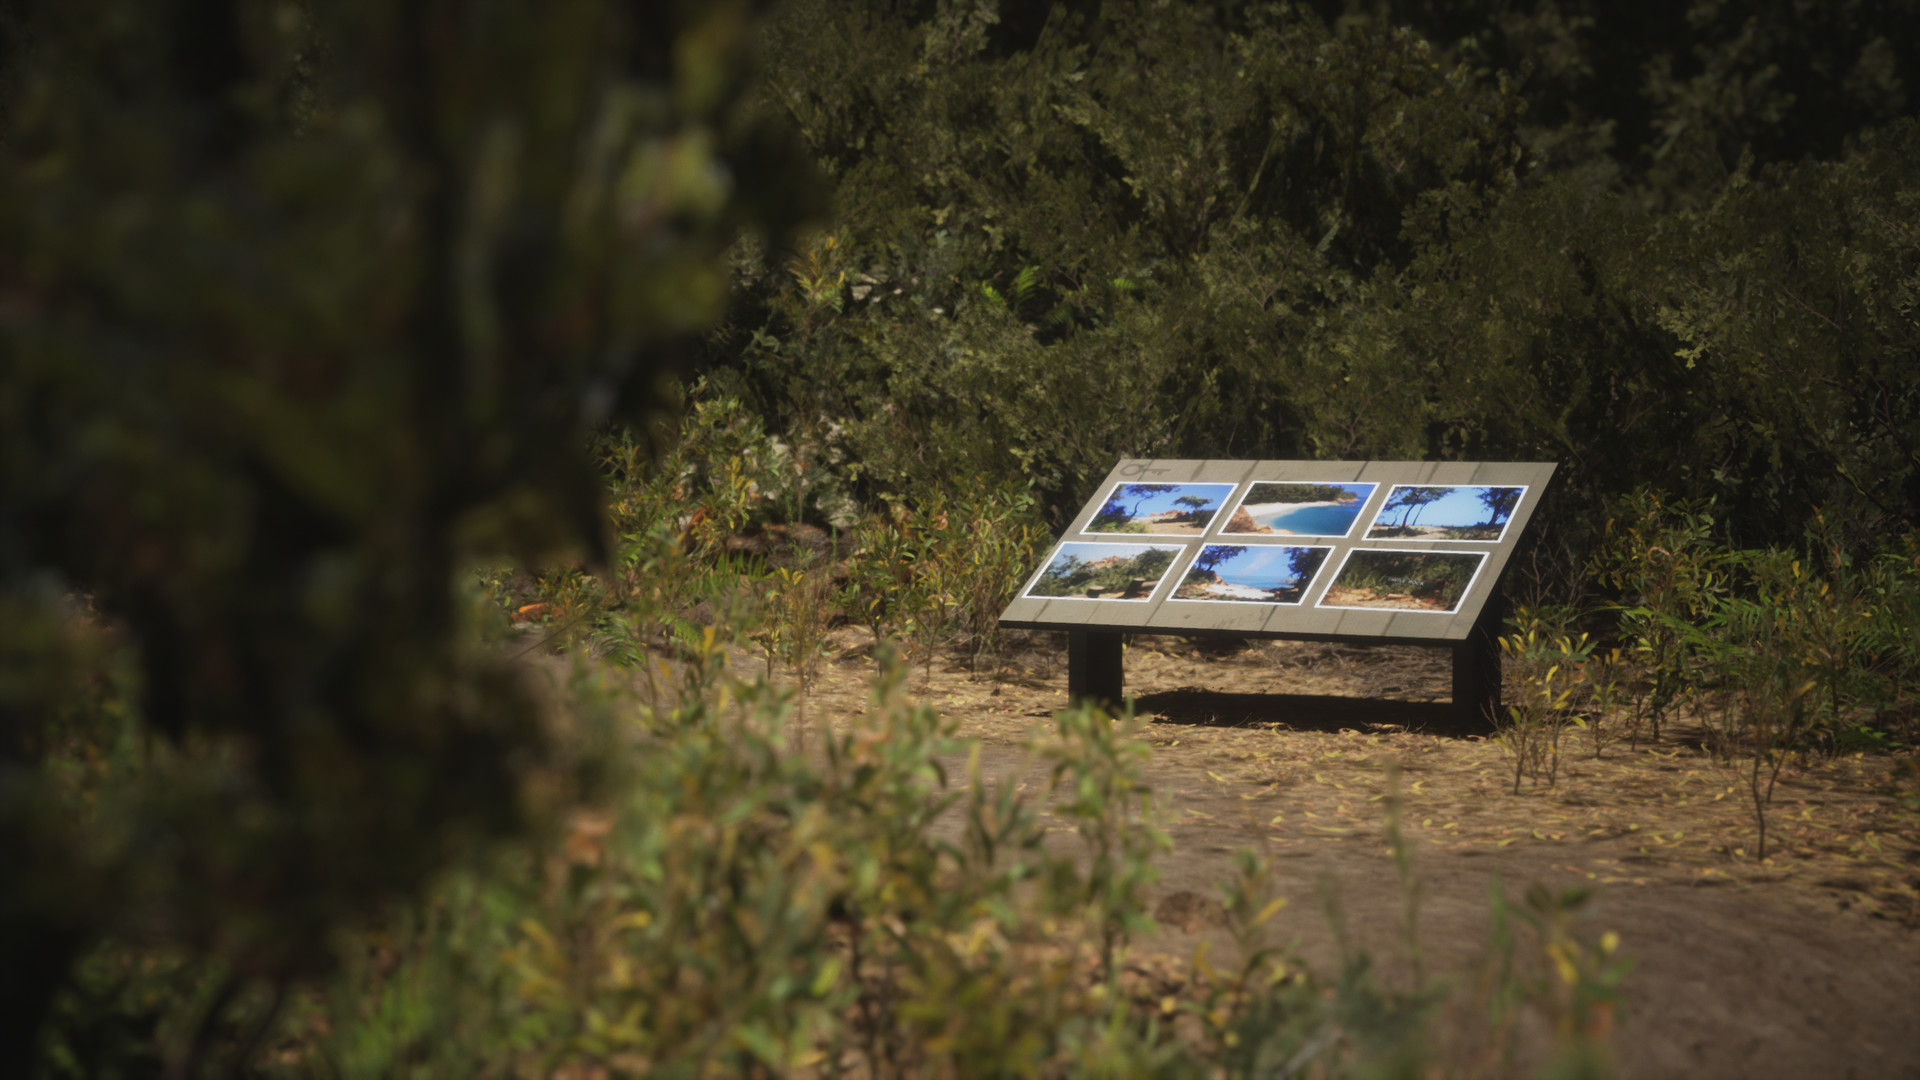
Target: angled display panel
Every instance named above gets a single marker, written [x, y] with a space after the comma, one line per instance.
[1406, 551]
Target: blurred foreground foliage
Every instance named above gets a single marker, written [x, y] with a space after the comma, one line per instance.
[303, 306]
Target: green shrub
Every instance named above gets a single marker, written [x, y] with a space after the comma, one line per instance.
[743, 909]
[1780, 652]
[946, 564]
[1550, 669]
[1661, 555]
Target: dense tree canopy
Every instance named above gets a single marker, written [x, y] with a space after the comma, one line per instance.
[1660, 243]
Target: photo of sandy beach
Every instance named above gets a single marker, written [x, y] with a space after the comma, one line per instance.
[1167, 509]
[1096, 571]
[1294, 508]
[1384, 580]
[1445, 512]
[1251, 573]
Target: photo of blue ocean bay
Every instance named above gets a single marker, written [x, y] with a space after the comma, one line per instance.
[1309, 519]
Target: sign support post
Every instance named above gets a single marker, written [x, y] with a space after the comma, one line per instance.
[1476, 666]
[1095, 671]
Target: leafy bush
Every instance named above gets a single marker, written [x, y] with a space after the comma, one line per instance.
[742, 908]
[1779, 652]
[948, 562]
[307, 306]
[1661, 554]
[735, 906]
[1551, 669]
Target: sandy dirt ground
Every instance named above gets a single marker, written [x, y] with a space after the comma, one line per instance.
[1804, 966]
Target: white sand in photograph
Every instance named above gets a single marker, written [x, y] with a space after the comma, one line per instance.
[1241, 592]
[1262, 509]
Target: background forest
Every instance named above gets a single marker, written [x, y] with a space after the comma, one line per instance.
[344, 342]
[1665, 244]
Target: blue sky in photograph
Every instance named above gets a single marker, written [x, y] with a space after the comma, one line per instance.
[1461, 506]
[1262, 567]
[1163, 501]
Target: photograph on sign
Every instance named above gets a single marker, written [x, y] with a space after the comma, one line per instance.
[1251, 573]
[1445, 512]
[1379, 579]
[1297, 508]
[1167, 509]
[1096, 571]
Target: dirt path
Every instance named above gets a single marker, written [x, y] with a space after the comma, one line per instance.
[1807, 965]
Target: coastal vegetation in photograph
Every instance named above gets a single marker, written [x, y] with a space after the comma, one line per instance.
[1298, 508]
[1387, 580]
[1170, 509]
[1472, 512]
[1251, 573]
[1096, 571]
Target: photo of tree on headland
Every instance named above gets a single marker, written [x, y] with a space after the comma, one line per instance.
[1251, 573]
[1104, 571]
[1403, 580]
[1291, 508]
[1445, 512]
[1169, 509]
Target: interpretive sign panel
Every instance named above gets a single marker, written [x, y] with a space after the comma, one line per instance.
[1404, 552]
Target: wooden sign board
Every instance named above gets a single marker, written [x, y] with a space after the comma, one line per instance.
[1406, 552]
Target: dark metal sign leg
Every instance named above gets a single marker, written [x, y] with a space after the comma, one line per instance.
[1476, 666]
[1094, 668]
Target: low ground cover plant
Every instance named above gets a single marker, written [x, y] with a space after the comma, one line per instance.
[1782, 655]
[742, 910]
[1550, 667]
[736, 898]
[730, 906]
